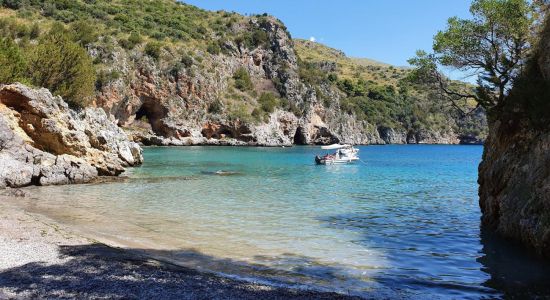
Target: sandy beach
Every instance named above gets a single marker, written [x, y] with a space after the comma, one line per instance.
[40, 258]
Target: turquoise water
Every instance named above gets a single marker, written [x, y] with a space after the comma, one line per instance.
[402, 223]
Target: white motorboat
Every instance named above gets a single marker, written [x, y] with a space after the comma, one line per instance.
[345, 154]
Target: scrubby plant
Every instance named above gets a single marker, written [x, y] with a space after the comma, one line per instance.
[63, 66]
[268, 102]
[132, 41]
[12, 61]
[214, 48]
[84, 32]
[242, 80]
[153, 49]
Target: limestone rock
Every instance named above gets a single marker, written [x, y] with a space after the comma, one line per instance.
[165, 103]
[43, 141]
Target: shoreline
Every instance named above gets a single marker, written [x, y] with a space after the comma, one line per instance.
[42, 258]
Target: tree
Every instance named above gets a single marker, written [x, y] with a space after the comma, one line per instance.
[493, 46]
[12, 61]
[63, 66]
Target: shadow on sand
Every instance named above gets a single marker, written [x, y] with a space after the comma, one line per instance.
[98, 271]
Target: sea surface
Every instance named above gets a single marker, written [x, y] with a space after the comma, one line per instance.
[403, 222]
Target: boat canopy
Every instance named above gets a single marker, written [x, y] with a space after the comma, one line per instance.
[335, 146]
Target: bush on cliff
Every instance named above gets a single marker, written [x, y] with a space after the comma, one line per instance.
[242, 80]
[63, 66]
[268, 102]
[153, 49]
[12, 61]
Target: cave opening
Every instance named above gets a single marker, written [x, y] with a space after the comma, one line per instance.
[150, 116]
[300, 137]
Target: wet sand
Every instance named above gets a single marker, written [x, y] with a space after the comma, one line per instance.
[40, 258]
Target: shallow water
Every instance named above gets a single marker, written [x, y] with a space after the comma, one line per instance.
[404, 222]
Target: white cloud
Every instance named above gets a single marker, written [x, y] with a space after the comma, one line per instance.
[312, 39]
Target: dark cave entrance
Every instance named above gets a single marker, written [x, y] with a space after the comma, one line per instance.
[150, 115]
[300, 137]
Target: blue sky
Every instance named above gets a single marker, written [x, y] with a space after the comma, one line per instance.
[385, 30]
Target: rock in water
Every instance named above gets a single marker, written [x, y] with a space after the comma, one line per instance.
[514, 176]
[44, 142]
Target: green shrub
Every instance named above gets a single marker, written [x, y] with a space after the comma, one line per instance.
[214, 48]
[259, 38]
[268, 102]
[35, 31]
[242, 80]
[12, 61]
[187, 61]
[106, 77]
[153, 49]
[215, 107]
[133, 40]
[64, 67]
[84, 33]
[13, 4]
[239, 111]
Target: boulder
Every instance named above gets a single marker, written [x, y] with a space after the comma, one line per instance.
[43, 141]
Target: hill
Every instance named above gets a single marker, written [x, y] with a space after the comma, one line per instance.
[171, 73]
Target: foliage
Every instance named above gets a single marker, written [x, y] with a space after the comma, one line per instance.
[214, 48]
[12, 61]
[215, 107]
[63, 66]
[239, 111]
[268, 102]
[133, 40]
[106, 77]
[187, 61]
[242, 80]
[84, 33]
[159, 19]
[310, 72]
[153, 49]
[493, 44]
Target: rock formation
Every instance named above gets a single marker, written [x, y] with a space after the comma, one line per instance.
[160, 102]
[514, 176]
[44, 142]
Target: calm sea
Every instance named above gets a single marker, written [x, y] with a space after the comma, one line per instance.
[404, 222]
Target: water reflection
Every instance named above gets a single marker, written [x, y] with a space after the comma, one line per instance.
[515, 272]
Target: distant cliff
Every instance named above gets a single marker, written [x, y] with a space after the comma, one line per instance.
[514, 176]
[173, 74]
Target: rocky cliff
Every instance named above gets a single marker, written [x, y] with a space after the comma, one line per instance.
[514, 176]
[44, 142]
[173, 74]
[167, 102]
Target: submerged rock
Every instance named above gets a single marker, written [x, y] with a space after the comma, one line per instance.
[221, 173]
[44, 142]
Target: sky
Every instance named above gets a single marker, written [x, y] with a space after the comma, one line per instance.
[388, 31]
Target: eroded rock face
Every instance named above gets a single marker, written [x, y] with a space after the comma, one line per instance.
[514, 176]
[175, 101]
[44, 142]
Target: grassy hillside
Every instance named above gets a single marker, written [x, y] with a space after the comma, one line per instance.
[350, 68]
[386, 95]
[183, 37]
[172, 33]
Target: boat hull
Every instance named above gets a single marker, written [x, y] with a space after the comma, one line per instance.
[322, 161]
